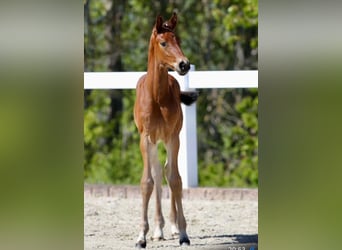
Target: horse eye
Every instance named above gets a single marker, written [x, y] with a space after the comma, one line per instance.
[163, 44]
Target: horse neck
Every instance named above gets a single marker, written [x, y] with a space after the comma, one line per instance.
[157, 76]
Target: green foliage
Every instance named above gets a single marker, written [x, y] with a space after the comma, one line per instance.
[215, 35]
[111, 151]
[228, 147]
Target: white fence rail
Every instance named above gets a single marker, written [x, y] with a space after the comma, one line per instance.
[187, 159]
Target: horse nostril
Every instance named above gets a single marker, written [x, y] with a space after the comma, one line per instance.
[184, 66]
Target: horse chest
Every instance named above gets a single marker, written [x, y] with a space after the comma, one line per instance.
[163, 122]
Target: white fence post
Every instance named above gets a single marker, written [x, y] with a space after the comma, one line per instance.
[187, 156]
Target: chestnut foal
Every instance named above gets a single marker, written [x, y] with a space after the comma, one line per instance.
[158, 117]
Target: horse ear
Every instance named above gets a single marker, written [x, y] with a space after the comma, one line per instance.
[159, 24]
[173, 21]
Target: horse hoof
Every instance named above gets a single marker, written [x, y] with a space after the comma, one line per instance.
[140, 244]
[184, 241]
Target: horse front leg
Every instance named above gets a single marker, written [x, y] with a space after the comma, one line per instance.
[173, 217]
[146, 186]
[173, 210]
[157, 175]
[175, 183]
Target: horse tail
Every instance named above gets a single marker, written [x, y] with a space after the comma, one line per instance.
[188, 97]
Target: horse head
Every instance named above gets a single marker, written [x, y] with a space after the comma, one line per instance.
[167, 46]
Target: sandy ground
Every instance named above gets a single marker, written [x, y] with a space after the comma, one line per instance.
[113, 223]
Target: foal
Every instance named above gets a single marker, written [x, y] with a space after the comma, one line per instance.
[158, 117]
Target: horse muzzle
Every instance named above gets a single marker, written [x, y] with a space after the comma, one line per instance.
[183, 67]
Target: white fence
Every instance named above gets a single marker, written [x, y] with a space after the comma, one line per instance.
[187, 159]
